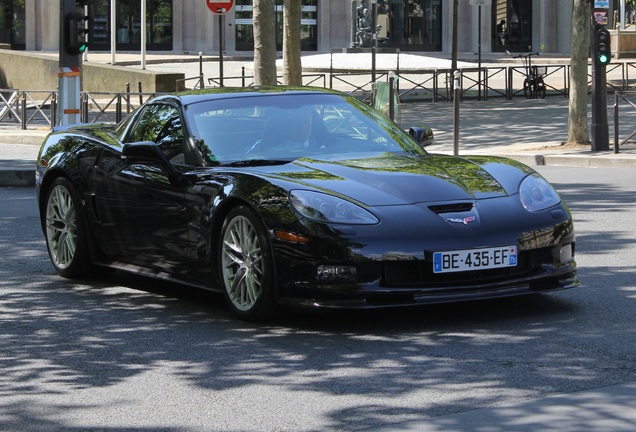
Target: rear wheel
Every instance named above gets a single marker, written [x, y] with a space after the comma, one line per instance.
[541, 88]
[65, 232]
[246, 265]
[528, 89]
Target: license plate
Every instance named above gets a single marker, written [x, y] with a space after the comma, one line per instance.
[475, 259]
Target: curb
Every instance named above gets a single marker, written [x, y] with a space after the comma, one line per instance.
[599, 161]
[30, 138]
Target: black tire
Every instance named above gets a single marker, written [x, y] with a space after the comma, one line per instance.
[541, 89]
[246, 266]
[65, 230]
[528, 89]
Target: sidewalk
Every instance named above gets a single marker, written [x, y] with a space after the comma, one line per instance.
[530, 131]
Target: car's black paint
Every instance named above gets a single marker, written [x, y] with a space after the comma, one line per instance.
[163, 218]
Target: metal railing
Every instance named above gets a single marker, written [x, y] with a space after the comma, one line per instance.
[22, 107]
[434, 84]
[38, 107]
[625, 97]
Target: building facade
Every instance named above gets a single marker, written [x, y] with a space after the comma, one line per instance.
[408, 25]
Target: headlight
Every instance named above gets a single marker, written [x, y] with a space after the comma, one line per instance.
[537, 194]
[328, 208]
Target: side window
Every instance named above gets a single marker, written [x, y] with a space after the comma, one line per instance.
[161, 124]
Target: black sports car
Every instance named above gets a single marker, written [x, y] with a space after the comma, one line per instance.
[297, 196]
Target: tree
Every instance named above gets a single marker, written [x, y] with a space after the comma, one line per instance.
[264, 43]
[577, 112]
[292, 66]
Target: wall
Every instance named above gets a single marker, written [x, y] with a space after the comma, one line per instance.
[196, 28]
[22, 71]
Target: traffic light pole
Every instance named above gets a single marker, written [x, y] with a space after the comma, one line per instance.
[600, 57]
[72, 45]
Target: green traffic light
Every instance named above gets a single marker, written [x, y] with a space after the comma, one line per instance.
[602, 47]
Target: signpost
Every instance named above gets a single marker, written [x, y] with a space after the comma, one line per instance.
[220, 8]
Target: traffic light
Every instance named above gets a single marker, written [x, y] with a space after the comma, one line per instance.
[603, 47]
[76, 29]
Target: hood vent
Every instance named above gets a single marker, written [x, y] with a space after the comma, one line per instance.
[452, 208]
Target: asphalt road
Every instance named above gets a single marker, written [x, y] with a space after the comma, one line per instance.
[123, 353]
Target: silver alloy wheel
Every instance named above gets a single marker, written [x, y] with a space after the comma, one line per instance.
[61, 227]
[242, 263]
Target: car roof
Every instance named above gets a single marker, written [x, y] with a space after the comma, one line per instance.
[195, 96]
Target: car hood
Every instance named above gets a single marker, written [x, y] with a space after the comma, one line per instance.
[392, 179]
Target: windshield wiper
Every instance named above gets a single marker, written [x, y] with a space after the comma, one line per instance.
[256, 162]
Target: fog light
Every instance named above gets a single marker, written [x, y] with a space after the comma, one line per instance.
[566, 253]
[336, 273]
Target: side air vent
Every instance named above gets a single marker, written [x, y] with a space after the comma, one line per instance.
[452, 208]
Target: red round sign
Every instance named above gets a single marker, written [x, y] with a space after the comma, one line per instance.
[220, 7]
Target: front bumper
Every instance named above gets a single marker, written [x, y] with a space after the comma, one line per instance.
[382, 283]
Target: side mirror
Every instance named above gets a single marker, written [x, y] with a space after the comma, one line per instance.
[143, 152]
[149, 153]
[423, 136]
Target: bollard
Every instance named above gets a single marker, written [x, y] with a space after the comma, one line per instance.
[331, 71]
[201, 85]
[397, 71]
[118, 108]
[141, 97]
[127, 98]
[84, 108]
[391, 95]
[616, 123]
[53, 109]
[23, 114]
[457, 93]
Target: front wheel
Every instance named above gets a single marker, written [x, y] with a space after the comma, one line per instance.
[528, 88]
[64, 230]
[246, 265]
[541, 88]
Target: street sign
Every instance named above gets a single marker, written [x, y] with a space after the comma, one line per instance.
[220, 7]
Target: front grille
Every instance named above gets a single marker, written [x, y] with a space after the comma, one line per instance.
[409, 274]
[452, 208]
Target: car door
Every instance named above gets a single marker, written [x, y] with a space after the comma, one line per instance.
[144, 218]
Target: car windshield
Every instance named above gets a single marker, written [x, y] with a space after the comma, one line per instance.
[285, 127]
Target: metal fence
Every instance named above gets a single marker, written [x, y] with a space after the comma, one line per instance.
[434, 85]
[38, 107]
[629, 98]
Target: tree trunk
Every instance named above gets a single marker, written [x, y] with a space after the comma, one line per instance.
[292, 67]
[577, 113]
[264, 43]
